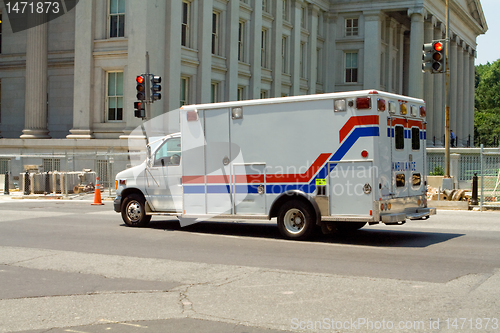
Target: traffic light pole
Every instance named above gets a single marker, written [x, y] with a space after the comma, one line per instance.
[447, 96]
[148, 89]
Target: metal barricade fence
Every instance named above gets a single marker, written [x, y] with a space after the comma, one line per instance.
[104, 164]
[485, 162]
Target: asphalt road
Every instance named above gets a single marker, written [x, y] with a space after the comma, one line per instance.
[67, 266]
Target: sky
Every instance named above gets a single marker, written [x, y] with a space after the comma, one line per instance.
[488, 45]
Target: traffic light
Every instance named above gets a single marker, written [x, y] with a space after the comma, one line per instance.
[433, 58]
[155, 87]
[139, 111]
[141, 87]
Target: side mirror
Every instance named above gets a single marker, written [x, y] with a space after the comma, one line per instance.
[162, 162]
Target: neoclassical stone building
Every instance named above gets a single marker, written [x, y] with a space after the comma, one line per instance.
[71, 82]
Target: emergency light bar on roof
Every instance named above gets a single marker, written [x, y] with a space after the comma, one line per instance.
[302, 98]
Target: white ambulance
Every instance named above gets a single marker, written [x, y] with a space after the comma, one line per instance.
[335, 161]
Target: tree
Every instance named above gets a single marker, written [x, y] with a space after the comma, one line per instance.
[487, 104]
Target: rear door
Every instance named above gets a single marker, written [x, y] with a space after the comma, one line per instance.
[401, 151]
[417, 147]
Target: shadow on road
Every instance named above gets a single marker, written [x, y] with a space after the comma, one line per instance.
[363, 237]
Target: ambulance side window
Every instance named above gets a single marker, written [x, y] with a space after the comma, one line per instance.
[399, 137]
[170, 152]
[415, 138]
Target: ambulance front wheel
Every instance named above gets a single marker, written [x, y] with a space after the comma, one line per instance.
[134, 212]
[296, 220]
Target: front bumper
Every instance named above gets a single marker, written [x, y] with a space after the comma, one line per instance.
[417, 214]
[117, 204]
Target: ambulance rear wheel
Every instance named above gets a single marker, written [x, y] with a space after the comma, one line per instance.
[134, 212]
[296, 220]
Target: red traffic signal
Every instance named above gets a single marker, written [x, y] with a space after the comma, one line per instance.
[438, 46]
[433, 59]
[141, 87]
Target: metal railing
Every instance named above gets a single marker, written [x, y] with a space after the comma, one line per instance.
[483, 162]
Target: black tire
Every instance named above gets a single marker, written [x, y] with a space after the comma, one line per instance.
[296, 220]
[349, 226]
[134, 212]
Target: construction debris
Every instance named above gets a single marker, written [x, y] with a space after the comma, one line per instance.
[447, 195]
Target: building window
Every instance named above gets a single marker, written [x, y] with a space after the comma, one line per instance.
[265, 5]
[351, 27]
[116, 18]
[241, 41]
[263, 49]
[215, 33]
[303, 17]
[319, 65]
[0, 101]
[284, 55]
[263, 94]
[184, 98]
[321, 20]
[214, 92]
[303, 57]
[241, 93]
[115, 96]
[286, 10]
[186, 18]
[351, 67]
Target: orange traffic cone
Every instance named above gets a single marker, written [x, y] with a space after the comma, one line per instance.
[97, 193]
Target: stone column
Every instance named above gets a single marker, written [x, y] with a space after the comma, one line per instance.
[277, 40]
[171, 86]
[406, 63]
[233, 21]
[416, 86]
[204, 79]
[35, 106]
[429, 84]
[391, 56]
[401, 59]
[83, 106]
[312, 49]
[452, 65]
[371, 53]
[466, 92]
[439, 82]
[460, 88]
[255, 50]
[331, 52]
[295, 12]
[472, 76]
